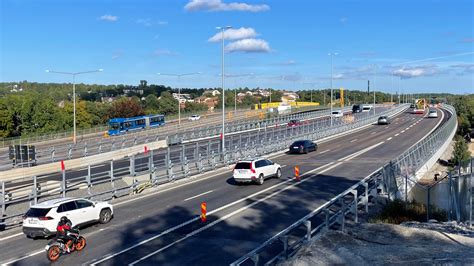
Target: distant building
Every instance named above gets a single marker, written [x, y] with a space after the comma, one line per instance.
[211, 102]
[107, 99]
[183, 97]
[211, 92]
[290, 96]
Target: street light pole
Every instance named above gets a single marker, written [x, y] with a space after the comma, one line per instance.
[332, 54]
[222, 29]
[74, 74]
[179, 90]
[375, 84]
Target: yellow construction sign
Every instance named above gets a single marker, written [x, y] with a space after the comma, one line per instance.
[292, 104]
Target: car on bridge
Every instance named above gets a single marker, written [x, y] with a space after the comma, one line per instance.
[383, 120]
[256, 170]
[303, 146]
[194, 117]
[41, 219]
[294, 123]
[337, 113]
[433, 113]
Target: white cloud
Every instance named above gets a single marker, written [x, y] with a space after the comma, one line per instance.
[234, 34]
[218, 5]
[248, 46]
[109, 18]
[465, 68]
[417, 71]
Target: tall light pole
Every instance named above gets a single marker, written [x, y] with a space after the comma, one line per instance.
[375, 84]
[179, 90]
[74, 74]
[223, 29]
[332, 55]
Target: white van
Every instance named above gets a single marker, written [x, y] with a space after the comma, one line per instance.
[366, 108]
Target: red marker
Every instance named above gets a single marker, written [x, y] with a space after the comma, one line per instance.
[62, 166]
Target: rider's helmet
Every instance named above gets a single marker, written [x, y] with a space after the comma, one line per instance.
[63, 220]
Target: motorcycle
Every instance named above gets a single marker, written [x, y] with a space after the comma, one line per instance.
[57, 246]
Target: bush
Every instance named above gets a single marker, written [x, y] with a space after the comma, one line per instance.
[397, 211]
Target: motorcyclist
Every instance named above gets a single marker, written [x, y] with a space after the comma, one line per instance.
[62, 232]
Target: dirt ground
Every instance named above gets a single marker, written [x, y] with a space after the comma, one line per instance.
[382, 244]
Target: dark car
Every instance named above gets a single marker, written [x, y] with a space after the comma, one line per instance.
[357, 108]
[412, 105]
[303, 146]
[383, 120]
[294, 122]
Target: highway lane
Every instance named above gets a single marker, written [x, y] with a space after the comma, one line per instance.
[176, 154]
[146, 217]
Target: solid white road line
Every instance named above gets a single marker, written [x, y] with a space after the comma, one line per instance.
[24, 257]
[107, 257]
[12, 236]
[354, 140]
[199, 195]
[229, 215]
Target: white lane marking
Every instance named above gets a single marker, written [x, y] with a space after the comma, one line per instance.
[354, 140]
[373, 133]
[199, 195]
[324, 151]
[352, 156]
[229, 215]
[386, 127]
[389, 138]
[396, 135]
[12, 236]
[24, 257]
[407, 128]
[195, 219]
[403, 131]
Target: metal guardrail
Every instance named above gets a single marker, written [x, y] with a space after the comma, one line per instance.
[117, 178]
[347, 204]
[99, 144]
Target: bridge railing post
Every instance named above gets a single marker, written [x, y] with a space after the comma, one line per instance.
[88, 180]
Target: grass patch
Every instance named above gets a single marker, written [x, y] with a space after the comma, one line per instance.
[397, 211]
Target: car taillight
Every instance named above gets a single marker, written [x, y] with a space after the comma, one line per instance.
[252, 170]
[45, 218]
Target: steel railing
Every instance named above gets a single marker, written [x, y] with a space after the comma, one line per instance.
[349, 203]
[127, 176]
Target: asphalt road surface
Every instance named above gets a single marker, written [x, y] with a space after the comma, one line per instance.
[162, 227]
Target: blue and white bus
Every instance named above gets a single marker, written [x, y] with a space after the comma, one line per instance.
[121, 125]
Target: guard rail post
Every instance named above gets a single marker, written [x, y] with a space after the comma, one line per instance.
[326, 220]
[88, 180]
[356, 201]
[199, 163]
[69, 152]
[112, 179]
[52, 155]
[343, 213]
[63, 183]
[170, 171]
[35, 190]
[366, 197]
[307, 224]
[3, 199]
[284, 240]
[185, 167]
[132, 165]
[85, 150]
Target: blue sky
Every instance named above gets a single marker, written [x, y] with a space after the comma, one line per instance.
[418, 45]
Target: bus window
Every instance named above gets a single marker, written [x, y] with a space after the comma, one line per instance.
[140, 122]
[127, 124]
[156, 119]
[114, 126]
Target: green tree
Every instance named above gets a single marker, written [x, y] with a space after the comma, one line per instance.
[126, 107]
[461, 154]
[167, 104]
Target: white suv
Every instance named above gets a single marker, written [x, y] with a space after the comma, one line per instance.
[42, 219]
[194, 117]
[256, 170]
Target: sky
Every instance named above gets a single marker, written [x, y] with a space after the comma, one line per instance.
[399, 45]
